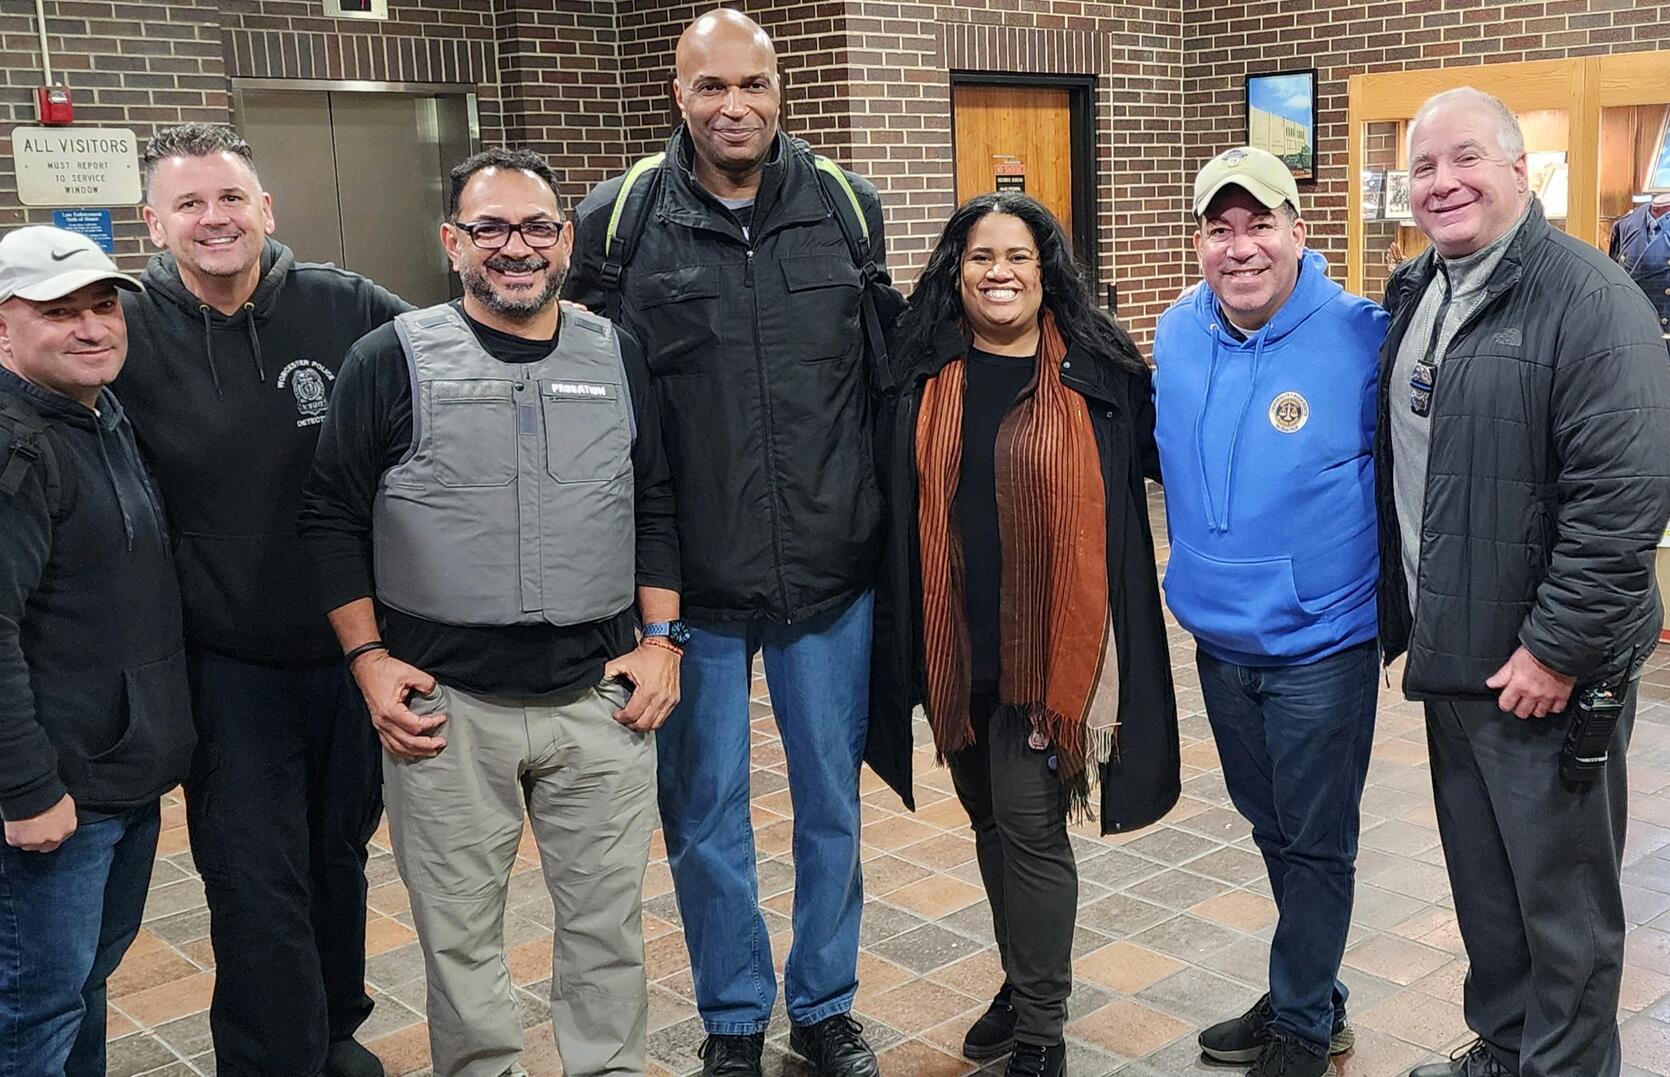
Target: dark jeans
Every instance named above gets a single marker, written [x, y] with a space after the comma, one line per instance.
[1534, 868]
[66, 919]
[285, 793]
[1019, 810]
[1294, 742]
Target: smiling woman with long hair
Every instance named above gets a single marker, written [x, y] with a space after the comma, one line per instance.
[1019, 603]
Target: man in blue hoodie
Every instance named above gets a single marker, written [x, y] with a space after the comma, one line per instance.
[1264, 392]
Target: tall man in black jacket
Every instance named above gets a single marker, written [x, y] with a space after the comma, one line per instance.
[1523, 474]
[95, 723]
[236, 347]
[744, 292]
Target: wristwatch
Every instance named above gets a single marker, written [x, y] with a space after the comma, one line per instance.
[675, 632]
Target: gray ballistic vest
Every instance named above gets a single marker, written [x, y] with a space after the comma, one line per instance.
[514, 505]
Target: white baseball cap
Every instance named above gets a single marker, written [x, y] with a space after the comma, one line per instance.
[40, 262]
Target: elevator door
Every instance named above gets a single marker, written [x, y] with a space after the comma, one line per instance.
[359, 179]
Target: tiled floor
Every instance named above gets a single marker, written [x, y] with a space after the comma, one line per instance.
[1173, 927]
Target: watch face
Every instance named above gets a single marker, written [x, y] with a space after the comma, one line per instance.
[679, 633]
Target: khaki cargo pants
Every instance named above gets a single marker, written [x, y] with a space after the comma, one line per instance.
[588, 785]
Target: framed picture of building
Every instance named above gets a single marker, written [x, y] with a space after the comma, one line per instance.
[1281, 118]
[1658, 169]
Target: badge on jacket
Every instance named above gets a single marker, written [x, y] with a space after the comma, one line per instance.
[1289, 412]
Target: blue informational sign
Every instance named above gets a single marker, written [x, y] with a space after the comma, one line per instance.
[92, 223]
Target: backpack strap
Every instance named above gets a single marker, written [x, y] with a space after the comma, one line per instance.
[29, 447]
[849, 214]
[620, 244]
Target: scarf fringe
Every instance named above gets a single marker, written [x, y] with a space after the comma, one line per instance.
[1078, 764]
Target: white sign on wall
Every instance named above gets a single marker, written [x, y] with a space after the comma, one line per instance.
[76, 166]
[357, 9]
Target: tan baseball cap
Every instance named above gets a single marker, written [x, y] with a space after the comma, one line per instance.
[1258, 172]
[41, 263]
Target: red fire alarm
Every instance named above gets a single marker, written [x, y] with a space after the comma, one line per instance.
[53, 106]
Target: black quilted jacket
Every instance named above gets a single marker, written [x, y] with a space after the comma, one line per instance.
[1548, 482]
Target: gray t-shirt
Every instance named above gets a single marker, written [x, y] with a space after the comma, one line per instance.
[1456, 291]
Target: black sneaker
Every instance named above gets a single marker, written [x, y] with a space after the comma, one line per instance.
[732, 1056]
[1473, 1060]
[1285, 1056]
[347, 1058]
[835, 1047]
[994, 1034]
[1241, 1039]
[1036, 1060]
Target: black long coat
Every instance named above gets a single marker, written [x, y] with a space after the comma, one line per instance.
[1141, 783]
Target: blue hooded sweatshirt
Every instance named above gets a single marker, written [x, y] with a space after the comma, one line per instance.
[1266, 447]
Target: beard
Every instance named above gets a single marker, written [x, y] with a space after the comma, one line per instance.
[516, 309]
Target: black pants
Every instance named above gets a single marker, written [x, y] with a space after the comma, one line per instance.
[1534, 866]
[285, 793]
[1019, 810]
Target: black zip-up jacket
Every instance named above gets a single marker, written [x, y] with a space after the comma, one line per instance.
[228, 410]
[757, 354]
[93, 697]
[1548, 479]
[1142, 782]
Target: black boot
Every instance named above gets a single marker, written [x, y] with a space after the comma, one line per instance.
[1242, 1039]
[732, 1056]
[346, 1058]
[835, 1047]
[994, 1034]
[1036, 1060]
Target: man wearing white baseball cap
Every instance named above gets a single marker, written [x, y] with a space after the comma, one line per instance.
[1269, 364]
[95, 719]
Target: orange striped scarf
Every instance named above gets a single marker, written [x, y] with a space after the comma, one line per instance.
[1059, 674]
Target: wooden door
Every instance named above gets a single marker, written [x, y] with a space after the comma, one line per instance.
[1013, 137]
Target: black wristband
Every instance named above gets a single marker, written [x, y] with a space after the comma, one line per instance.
[364, 648]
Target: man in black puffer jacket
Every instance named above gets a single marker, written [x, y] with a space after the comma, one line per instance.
[746, 295]
[1523, 480]
[236, 349]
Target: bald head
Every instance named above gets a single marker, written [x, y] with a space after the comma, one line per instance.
[728, 90]
[723, 32]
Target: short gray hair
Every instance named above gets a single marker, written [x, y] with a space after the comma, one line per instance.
[1509, 139]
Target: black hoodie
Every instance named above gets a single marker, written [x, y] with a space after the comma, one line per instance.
[228, 409]
[93, 697]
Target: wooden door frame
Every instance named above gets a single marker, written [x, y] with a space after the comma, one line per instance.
[1081, 105]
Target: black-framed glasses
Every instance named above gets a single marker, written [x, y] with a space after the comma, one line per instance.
[494, 235]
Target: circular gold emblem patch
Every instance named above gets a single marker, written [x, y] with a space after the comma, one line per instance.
[1289, 412]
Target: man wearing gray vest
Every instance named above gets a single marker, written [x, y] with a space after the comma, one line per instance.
[490, 514]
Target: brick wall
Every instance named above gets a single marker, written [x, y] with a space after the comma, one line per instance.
[867, 81]
[1224, 41]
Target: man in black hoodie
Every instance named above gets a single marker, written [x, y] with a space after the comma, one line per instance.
[236, 347]
[95, 722]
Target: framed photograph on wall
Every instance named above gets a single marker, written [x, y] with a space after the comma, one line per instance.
[1658, 169]
[1374, 192]
[1281, 118]
[1397, 197]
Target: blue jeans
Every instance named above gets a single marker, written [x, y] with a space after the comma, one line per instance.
[1294, 742]
[818, 672]
[66, 919]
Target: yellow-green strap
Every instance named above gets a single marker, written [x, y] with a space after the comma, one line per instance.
[833, 170]
[652, 161]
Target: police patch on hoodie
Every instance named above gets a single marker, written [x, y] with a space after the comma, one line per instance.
[309, 383]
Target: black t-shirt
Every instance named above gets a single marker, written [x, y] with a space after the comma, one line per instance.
[991, 384]
[371, 431]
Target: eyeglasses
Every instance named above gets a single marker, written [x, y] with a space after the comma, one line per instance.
[494, 235]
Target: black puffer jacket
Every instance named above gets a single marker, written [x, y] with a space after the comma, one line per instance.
[1141, 783]
[757, 354]
[1548, 481]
